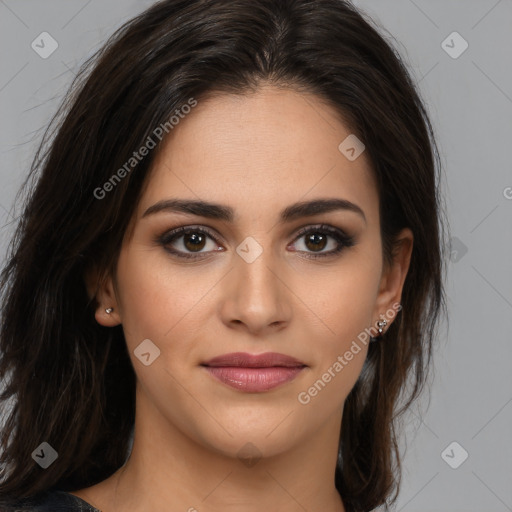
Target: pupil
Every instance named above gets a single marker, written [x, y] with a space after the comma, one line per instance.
[195, 240]
[314, 238]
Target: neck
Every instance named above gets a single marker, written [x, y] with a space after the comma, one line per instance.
[170, 470]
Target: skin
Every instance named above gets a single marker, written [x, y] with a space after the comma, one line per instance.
[257, 153]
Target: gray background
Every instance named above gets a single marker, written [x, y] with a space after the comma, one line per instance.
[470, 102]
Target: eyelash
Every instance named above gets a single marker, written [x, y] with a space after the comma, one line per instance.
[338, 235]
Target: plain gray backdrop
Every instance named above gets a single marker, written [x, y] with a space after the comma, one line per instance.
[459, 448]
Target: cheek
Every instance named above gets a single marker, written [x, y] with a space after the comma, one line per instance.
[154, 298]
[340, 343]
[340, 308]
[341, 301]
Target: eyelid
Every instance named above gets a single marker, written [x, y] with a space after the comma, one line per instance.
[181, 230]
[306, 228]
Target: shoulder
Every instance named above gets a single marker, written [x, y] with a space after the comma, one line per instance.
[48, 501]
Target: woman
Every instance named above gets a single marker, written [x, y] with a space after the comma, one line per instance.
[224, 288]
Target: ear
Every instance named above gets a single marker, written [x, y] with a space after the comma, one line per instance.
[393, 275]
[100, 289]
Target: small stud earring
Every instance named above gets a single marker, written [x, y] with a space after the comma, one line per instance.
[380, 327]
[381, 324]
[109, 310]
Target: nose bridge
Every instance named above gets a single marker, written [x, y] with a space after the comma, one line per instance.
[256, 267]
[257, 295]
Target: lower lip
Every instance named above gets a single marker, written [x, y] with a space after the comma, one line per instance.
[254, 380]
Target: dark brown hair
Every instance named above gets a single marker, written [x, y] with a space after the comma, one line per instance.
[71, 379]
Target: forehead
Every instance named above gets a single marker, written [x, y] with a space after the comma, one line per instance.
[259, 151]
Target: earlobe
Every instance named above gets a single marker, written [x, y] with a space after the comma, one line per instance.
[101, 290]
[107, 316]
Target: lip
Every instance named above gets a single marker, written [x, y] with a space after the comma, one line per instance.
[245, 360]
[253, 373]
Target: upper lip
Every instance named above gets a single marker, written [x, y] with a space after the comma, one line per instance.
[265, 360]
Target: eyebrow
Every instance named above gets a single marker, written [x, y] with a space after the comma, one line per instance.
[226, 213]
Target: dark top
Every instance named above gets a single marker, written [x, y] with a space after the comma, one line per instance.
[49, 501]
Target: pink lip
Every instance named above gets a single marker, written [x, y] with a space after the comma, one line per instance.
[254, 373]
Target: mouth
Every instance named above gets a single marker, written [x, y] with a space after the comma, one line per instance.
[254, 373]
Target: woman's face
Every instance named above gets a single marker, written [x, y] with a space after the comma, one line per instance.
[250, 282]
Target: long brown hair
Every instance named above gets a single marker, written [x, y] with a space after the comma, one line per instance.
[71, 380]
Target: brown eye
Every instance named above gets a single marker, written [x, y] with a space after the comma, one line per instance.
[317, 239]
[194, 241]
[188, 242]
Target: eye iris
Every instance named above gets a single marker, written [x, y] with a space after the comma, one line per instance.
[196, 238]
[314, 238]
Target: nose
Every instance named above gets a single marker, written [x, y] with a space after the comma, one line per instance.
[257, 298]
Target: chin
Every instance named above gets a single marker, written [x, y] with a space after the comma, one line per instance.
[267, 435]
[248, 445]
